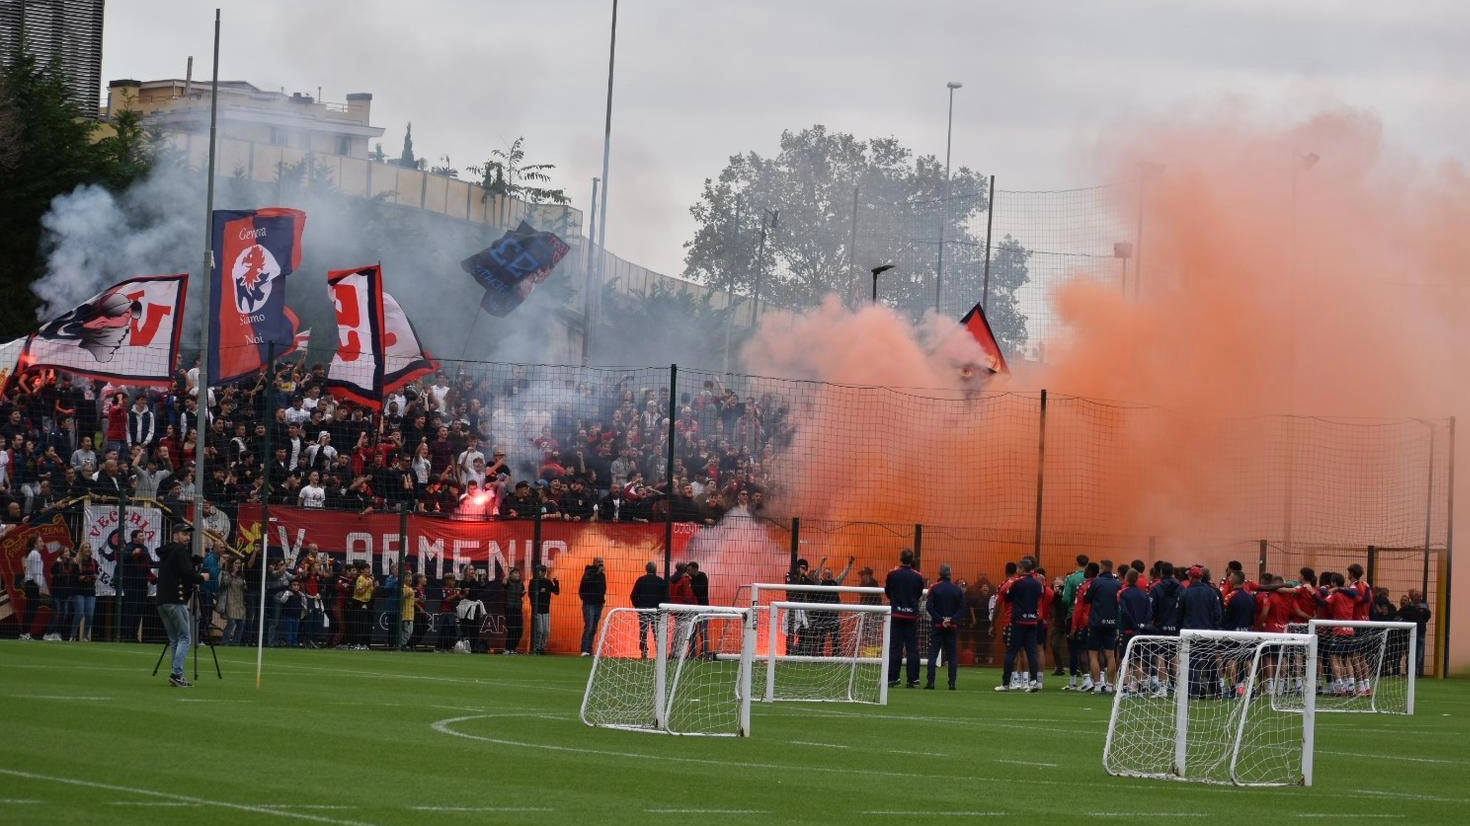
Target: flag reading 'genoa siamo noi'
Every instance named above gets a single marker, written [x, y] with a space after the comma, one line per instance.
[254, 252]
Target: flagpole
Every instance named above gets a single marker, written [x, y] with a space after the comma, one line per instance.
[265, 524]
[202, 387]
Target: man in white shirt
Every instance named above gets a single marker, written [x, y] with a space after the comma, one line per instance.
[466, 462]
[33, 584]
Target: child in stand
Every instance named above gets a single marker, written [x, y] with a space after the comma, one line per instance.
[293, 606]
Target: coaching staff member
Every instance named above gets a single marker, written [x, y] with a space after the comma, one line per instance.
[177, 580]
[904, 588]
[946, 603]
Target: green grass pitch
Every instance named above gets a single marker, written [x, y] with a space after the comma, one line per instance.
[338, 737]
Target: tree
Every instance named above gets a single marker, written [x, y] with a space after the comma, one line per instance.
[49, 151]
[831, 187]
[405, 157]
[506, 174]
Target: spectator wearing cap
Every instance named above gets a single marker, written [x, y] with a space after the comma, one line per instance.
[521, 504]
[321, 453]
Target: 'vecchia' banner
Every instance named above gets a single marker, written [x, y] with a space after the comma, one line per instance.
[254, 251]
[510, 269]
[128, 332]
[101, 530]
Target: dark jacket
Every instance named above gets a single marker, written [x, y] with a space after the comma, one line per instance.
[1135, 611]
[700, 583]
[649, 591]
[904, 587]
[593, 589]
[1199, 607]
[1103, 596]
[176, 575]
[542, 590]
[1166, 604]
[946, 602]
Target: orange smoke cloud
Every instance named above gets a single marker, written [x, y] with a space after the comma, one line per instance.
[1272, 285]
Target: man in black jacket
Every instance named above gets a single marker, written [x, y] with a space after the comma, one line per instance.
[176, 582]
[648, 591]
[946, 603]
[593, 592]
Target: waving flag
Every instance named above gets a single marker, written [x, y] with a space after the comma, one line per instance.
[975, 322]
[404, 357]
[357, 366]
[129, 331]
[254, 252]
[510, 269]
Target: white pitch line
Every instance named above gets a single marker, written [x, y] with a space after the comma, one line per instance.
[1025, 763]
[60, 698]
[937, 813]
[482, 809]
[1343, 816]
[155, 803]
[820, 745]
[15, 801]
[181, 799]
[1392, 757]
[707, 811]
[1145, 814]
[917, 753]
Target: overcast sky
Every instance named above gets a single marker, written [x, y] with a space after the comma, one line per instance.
[698, 81]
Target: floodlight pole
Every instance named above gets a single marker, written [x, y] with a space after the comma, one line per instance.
[202, 386]
[944, 204]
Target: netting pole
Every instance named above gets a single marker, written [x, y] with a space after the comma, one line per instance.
[1443, 632]
[1261, 561]
[1373, 563]
[669, 470]
[122, 508]
[1428, 514]
[1181, 708]
[795, 550]
[1040, 476]
[852, 254]
[402, 566]
[918, 545]
[989, 223]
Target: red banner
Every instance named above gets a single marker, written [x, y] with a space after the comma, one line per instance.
[14, 545]
[730, 556]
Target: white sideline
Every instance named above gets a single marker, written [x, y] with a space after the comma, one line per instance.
[182, 800]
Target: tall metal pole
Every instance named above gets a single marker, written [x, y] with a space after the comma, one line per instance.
[944, 204]
[989, 223]
[265, 531]
[760, 262]
[852, 241]
[202, 388]
[612, 51]
[1448, 577]
[587, 278]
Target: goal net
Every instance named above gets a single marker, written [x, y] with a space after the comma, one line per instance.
[832, 652]
[1198, 707]
[1362, 666]
[817, 647]
[666, 670]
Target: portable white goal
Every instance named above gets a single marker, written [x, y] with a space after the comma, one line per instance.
[845, 659]
[1365, 666]
[818, 651]
[1198, 707]
[654, 671]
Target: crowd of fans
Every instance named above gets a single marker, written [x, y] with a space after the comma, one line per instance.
[474, 447]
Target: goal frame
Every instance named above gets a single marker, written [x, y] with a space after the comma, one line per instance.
[752, 629]
[1182, 702]
[666, 685]
[1411, 631]
[855, 658]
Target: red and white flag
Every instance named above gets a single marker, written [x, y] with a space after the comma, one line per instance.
[356, 369]
[404, 356]
[128, 332]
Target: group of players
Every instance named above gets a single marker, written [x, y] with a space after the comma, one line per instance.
[1096, 611]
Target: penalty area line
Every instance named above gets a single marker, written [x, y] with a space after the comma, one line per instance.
[180, 799]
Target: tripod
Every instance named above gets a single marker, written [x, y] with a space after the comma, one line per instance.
[194, 641]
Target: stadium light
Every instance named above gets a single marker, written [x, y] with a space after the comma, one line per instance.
[877, 271]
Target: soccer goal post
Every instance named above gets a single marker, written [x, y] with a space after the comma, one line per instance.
[819, 648]
[1364, 666]
[1198, 707]
[663, 670]
[840, 655]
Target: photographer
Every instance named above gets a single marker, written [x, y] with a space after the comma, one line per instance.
[177, 580]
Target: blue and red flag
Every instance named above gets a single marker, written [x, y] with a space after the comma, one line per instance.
[512, 267]
[254, 251]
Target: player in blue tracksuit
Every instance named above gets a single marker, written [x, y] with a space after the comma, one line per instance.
[905, 589]
[1102, 627]
[946, 603]
[1199, 608]
[1025, 593]
[1135, 616]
